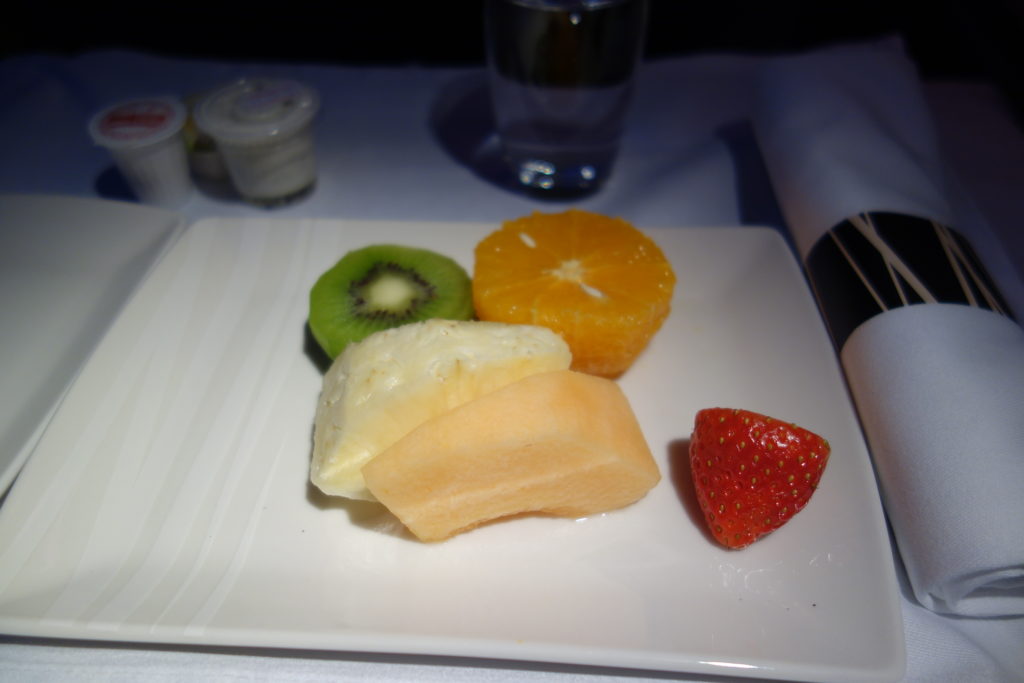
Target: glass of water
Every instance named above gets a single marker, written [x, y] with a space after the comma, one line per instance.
[561, 75]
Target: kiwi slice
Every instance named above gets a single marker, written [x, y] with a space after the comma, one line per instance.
[383, 286]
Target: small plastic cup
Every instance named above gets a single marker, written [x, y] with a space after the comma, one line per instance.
[263, 129]
[144, 137]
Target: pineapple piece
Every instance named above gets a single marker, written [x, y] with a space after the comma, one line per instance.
[380, 389]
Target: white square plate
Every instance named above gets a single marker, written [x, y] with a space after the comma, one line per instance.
[168, 500]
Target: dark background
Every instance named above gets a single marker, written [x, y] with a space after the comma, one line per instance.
[962, 39]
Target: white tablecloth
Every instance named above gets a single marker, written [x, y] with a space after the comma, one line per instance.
[396, 143]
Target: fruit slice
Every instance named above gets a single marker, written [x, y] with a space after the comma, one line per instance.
[384, 286]
[752, 473]
[560, 443]
[381, 388]
[598, 281]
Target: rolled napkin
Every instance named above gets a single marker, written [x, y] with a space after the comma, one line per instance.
[932, 354]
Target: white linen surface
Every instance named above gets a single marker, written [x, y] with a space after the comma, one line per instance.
[674, 170]
[940, 387]
[845, 131]
[52, 281]
[939, 391]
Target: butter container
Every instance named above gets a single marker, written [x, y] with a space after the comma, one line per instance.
[144, 136]
[263, 129]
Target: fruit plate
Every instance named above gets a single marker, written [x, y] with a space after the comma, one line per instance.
[167, 501]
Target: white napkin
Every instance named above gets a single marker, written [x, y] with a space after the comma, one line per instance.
[939, 386]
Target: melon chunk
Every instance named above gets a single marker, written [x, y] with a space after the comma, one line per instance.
[559, 443]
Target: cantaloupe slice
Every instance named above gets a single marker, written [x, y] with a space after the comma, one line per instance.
[559, 443]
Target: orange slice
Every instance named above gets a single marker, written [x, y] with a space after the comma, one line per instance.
[600, 283]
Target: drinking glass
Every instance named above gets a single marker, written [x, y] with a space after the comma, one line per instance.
[561, 76]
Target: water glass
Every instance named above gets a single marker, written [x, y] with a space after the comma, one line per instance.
[561, 76]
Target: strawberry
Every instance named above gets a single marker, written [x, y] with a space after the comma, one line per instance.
[752, 473]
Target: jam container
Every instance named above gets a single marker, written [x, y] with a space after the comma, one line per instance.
[145, 138]
[263, 129]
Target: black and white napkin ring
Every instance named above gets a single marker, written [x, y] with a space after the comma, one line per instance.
[874, 262]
